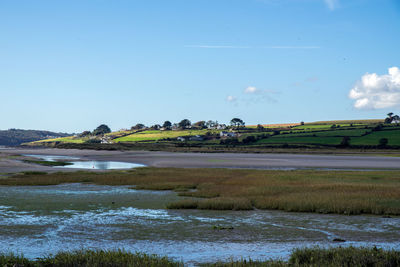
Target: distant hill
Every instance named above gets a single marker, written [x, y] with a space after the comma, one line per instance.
[15, 137]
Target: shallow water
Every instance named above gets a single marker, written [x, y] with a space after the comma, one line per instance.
[45, 219]
[95, 165]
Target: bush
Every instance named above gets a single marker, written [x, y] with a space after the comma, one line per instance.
[93, 141]
[249, 139]
[378, 127]
[383, 142]
[345, 141]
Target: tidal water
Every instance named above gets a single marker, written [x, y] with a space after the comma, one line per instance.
[92, 164]
[38, 220]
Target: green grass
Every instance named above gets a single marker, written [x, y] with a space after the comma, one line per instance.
[373, 139]
[48, 163]
[341, 192]
[326, 133]
[158, 135]
[70, 139]
[283, 139]
[90, 258]
[355, 132]
[334, 137]
[354, 122]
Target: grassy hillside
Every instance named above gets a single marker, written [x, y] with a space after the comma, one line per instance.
[325, 134]
[158, 135]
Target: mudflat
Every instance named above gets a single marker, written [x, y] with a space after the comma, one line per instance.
[11, 162]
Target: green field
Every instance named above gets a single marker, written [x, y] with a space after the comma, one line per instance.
[373, 138]
[301, 140]
[70, 139]
[158, 135]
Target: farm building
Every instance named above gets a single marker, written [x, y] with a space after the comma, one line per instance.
[227, 134]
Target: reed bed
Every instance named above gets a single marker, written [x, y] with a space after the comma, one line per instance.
[90, 258]
[332, 257]
[345, 257]
[307, 257]
[341, 192]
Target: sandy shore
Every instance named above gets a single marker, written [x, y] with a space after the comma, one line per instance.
[10, 163]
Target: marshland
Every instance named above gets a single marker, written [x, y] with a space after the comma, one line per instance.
[198, 216]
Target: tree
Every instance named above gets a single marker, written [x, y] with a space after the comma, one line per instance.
[260, 128]
[138, 126]
[85, 133]
[211, 124]
[156, 127]
[383, 142]
[200, 124]
[249, 139]
[236, 122]
[102, 129]
[389, 118]
[396, 118]
[167, 125]
[345, 141]
[184, 124]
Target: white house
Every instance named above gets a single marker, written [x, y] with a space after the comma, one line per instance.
[227, 134]
[196, 138]
[180, 138]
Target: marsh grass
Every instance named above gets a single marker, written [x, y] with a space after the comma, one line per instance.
[247, 263]
[331, 257]
[341, 192]
[48, 163]
[344, 257]
[12, 259]
[90, 258]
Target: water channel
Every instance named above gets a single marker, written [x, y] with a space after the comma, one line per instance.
[38, 220]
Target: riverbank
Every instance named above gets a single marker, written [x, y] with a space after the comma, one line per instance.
[333, 257]
[9, 161]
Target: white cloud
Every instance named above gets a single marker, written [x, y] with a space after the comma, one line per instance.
[332, 4]
[250, 90]
[375, 91]
[230, 98]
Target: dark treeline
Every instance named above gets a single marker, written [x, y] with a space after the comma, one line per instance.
[15, 137]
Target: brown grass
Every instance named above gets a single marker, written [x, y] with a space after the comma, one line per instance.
[343, 192]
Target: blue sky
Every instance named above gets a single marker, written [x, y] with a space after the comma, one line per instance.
[72, 65]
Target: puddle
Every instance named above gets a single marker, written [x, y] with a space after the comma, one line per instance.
[94, 165]
[38, 220]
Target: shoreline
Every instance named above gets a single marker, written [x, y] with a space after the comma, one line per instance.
[10, 160]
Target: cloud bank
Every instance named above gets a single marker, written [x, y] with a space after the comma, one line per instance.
[375, 91]
[332, 4]
[252, 95]
[230, 98]
[250, 90]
